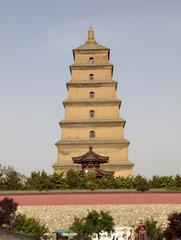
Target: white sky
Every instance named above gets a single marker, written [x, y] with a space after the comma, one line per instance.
[36, 42]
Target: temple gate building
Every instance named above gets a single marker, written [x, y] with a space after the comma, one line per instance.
[92, 116]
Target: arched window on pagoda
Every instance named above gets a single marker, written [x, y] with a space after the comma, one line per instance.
[91, 76]
[91, 94]
[91, 60]
[92, 113]
[92, 134]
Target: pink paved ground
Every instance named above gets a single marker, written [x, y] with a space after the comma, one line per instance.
[96, 198]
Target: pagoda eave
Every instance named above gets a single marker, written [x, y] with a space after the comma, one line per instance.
[91, 65]
[90, 51]
[95, 47]
[95, 83]
[90, 156]
[92, 142]
[94, 122]
[121, 163]
[80, 161]
[98, 173]
[87, 102]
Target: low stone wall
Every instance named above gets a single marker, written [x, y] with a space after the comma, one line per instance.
[6, 235]
[56, 217]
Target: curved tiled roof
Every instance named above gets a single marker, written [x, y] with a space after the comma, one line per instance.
[90, 156]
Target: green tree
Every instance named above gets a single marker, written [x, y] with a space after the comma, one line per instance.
[80, 228]
[154, 230]
[101, 183]
[99, 221]
[29, 226]
[2, 180]
[82, 182]
[13, 181]
[10, 180]
[58, 180]
[125, 182]
[167, 182]
[178, 182]
[94, 222]
[72, 179]
[155, 182]
[39, 181]
[140, 183]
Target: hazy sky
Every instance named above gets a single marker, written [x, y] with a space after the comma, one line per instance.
[36, 42]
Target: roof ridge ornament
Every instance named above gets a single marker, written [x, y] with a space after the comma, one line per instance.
[90, 148]
[91, 34]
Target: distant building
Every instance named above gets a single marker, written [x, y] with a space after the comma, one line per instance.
[92, 115]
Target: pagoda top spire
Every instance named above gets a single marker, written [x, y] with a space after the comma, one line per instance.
[91, 34]
[91, 43]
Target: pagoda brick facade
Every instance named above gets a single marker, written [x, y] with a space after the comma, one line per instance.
[92, 116]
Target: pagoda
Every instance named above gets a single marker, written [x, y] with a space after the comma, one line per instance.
[92, 116]
[91, 162]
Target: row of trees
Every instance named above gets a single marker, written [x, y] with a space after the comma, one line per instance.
[12, 221]
[11, 180]
[97, 222]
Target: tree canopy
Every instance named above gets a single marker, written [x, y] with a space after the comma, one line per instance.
[12, 221]
[94, 222]
[40, 180]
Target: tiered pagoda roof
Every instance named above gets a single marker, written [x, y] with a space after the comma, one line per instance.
[90, 156]
[91, 43]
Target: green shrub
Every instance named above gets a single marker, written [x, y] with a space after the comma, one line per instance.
[72, 179]
[8, 210]
[11, 181]
[94, 222]
[58, 181]
[153, 229]
[29, 226]
[178, 182]
[39, 181]
[124, 182]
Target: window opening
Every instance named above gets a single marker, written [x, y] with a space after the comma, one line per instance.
[91, 60]
[92, 134]
[92, 113]
[91, 94]
[91, 76]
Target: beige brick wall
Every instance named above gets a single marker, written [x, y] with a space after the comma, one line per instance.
[99, 57]
[116, 154]
[101, 112]
[56, 217]
[102, 132]
[99, 74]
[105, 92]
